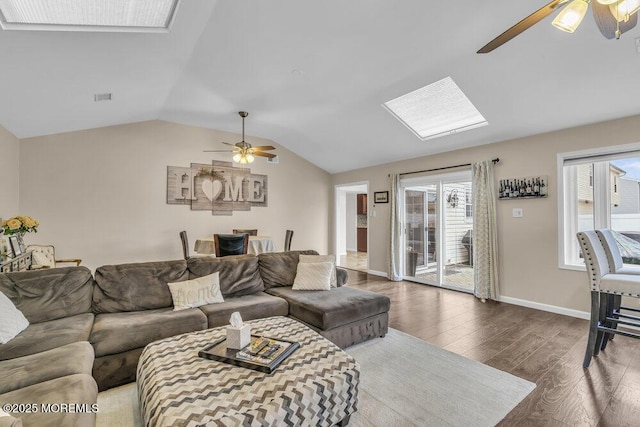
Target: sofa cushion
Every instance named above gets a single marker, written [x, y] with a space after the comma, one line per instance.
[239, 274]
[330, 309]
[256, 306]
[12, 321]
[135, 287]
[49, 294]
[47, 335]
[117, 332]
[279, 268]
[78, 389]
[75, 358]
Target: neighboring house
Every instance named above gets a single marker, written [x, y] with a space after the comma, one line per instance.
[585, 187]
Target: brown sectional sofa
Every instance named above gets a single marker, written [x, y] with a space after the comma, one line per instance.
[87, 334]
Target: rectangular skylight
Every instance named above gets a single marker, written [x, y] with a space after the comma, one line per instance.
[435, 110]
[88, 15]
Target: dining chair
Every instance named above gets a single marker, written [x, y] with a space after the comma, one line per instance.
[249, 231]
[616, 265]
[231, 244]
[44, 256]
[287, 240]
[185, 244]
[603, 283]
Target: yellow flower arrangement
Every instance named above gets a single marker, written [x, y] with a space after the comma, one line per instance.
[19, 225]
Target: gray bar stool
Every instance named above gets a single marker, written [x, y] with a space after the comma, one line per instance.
[604, 283]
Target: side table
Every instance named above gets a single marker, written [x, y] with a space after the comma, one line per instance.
[20, 263]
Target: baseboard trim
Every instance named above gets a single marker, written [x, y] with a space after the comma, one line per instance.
[377, 273]
[546, 307]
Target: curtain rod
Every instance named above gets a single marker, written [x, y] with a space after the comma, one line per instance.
[496, 160]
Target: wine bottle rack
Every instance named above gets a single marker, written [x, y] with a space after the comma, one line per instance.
[531, 187]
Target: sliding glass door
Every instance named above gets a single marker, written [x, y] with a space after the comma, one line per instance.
[438, 224]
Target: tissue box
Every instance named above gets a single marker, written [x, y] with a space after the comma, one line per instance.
[238, 338]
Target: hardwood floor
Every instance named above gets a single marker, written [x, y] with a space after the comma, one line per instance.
[542, 347]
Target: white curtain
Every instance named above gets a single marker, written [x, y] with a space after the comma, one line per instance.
[395, 250]
[485, 232]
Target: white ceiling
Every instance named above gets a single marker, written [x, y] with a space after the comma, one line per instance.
[224, 56]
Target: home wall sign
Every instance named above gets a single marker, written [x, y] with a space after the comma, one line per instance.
[219, 187]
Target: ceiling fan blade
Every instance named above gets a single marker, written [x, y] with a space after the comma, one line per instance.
[523, 25]
[607, 23]
[227, 143]
[218, 151]
[263, 148]
[261, 154]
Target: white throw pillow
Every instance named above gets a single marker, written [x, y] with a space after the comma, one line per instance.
[322, 258]
[196, 292]
[12, 321]
[313, 276]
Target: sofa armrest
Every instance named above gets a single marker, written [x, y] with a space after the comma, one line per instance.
[341, 276]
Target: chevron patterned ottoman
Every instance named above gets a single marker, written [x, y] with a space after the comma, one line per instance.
[316, 386]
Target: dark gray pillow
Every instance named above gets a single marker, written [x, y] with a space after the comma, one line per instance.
[239, 274]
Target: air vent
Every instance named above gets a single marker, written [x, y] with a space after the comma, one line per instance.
[102, 97]
[274, 160]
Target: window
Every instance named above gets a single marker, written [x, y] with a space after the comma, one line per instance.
[600, 190]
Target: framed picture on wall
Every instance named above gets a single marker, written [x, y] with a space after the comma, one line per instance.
[381, 197]
[15, 246]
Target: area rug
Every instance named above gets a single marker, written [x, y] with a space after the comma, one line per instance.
[404, 381]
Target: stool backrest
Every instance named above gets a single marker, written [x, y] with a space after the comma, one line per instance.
[185, 244]
[595, 257]
[610, 245]
[287, 240]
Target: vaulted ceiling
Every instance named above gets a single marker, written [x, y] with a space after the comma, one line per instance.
[313, 74]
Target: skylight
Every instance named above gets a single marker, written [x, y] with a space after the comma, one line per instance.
[435, 110]
[88, 15]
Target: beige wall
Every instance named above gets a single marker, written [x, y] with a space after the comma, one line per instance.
[9, 173]
[529, 245]
[100, 194]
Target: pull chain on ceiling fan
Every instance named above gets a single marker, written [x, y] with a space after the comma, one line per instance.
[245, 152]
[613, 17]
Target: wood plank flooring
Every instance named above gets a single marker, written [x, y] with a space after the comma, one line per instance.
[542, 347]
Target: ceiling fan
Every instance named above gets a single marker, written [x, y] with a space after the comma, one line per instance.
[245, 152]
[613, 18]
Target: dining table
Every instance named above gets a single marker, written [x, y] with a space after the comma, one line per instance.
[257, 245]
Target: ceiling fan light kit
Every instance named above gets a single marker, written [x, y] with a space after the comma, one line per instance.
[622, 10]
[244, 152]
[613, 18]
[571, 16]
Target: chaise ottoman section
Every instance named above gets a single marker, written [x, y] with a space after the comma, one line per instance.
[76, 358]
[48, 335]
[346, 316]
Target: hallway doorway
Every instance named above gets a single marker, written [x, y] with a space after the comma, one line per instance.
[352, 232]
